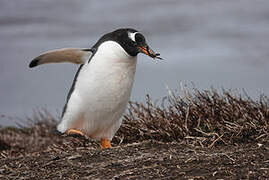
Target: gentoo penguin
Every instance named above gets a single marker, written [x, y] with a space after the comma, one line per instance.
[102, 85]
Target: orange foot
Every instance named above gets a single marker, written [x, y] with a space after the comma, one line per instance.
[105, 143]
[74, 132]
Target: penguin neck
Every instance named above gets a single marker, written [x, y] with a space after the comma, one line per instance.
[111, 59]
[112, 51]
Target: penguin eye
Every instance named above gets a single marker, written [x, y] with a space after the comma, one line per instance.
[139, 38]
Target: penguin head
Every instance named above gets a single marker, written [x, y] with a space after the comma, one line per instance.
[132, 41]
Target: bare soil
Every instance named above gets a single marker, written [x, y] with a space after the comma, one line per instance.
[77, 158]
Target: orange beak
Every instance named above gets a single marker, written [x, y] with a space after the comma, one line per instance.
[146, 50]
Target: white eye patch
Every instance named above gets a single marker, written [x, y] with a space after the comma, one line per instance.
[132, 36]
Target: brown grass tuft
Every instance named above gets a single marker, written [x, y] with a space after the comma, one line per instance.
[205, 118]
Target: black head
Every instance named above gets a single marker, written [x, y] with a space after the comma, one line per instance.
[132, 41]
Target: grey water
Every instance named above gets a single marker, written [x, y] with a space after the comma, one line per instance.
[223, 44]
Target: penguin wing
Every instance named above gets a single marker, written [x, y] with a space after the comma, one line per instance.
[73, 55]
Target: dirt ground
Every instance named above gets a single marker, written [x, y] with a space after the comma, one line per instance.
[206, 135]
[76, 158]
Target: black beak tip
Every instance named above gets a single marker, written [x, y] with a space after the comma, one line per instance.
[157, 56]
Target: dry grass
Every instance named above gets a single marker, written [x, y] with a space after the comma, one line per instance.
[206, 118]
[200, 118]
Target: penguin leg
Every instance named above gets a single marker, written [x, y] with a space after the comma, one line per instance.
[74, 132]
[105, 143]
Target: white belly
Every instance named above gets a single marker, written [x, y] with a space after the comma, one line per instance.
[101, 93]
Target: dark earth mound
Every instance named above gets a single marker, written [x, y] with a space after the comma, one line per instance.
[144, 160]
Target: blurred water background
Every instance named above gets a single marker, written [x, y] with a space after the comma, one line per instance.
[223, 44]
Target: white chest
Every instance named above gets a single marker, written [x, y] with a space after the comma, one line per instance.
[101, 93]
[105, 83]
